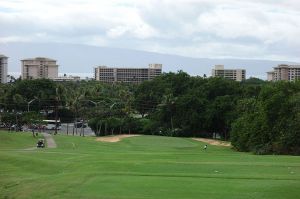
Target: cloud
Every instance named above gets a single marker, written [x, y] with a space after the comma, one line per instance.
[198, 28]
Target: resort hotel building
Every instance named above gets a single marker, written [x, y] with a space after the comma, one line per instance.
[39, 67]
[127, 75]
[234, 74]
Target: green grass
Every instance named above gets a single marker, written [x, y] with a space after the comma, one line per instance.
[13, 140]
[141, 167]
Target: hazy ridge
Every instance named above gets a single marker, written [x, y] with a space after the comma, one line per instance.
[80, 59]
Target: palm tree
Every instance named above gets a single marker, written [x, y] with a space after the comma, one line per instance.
[73, 102]
[167, 108]
[17, 100]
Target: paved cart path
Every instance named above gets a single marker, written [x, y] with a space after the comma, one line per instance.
[50, 141]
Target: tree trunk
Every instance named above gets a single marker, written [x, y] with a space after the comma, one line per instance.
[172, 127]
[80, 131]
[75, 126]
[56, 117]
[67, 128]
[100, 128]
[97, 130]
[16, 123]
[82, 127]
[75, 123]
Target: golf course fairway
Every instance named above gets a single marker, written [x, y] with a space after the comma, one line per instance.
[141, 167]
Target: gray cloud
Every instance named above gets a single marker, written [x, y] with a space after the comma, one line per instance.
[197, 28]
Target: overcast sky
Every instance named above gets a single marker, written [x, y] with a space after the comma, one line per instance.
[256, 29]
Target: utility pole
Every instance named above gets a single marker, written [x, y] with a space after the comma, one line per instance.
[56, 114]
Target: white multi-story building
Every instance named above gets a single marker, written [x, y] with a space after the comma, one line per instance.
[3, 69]
[234, 74]
[284, 72]
[127, 75]
[39, 67]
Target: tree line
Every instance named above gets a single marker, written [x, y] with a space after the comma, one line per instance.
[257, 116]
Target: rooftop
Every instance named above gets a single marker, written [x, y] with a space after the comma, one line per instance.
[151, 66]
[221, 67]
[3, 56]
[287, 66]
[38, 59]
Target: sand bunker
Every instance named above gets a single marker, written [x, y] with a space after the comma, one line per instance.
[115, 138]
[213, 142]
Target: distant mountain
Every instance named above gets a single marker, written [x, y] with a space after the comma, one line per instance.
[81, 59]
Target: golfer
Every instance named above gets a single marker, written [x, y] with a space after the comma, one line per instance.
[205, 147]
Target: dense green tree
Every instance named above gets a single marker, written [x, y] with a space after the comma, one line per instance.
[258, 116]
[270, 123]
[147, 96]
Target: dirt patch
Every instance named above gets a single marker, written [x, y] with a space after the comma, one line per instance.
[115, 138]
[213, 142]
